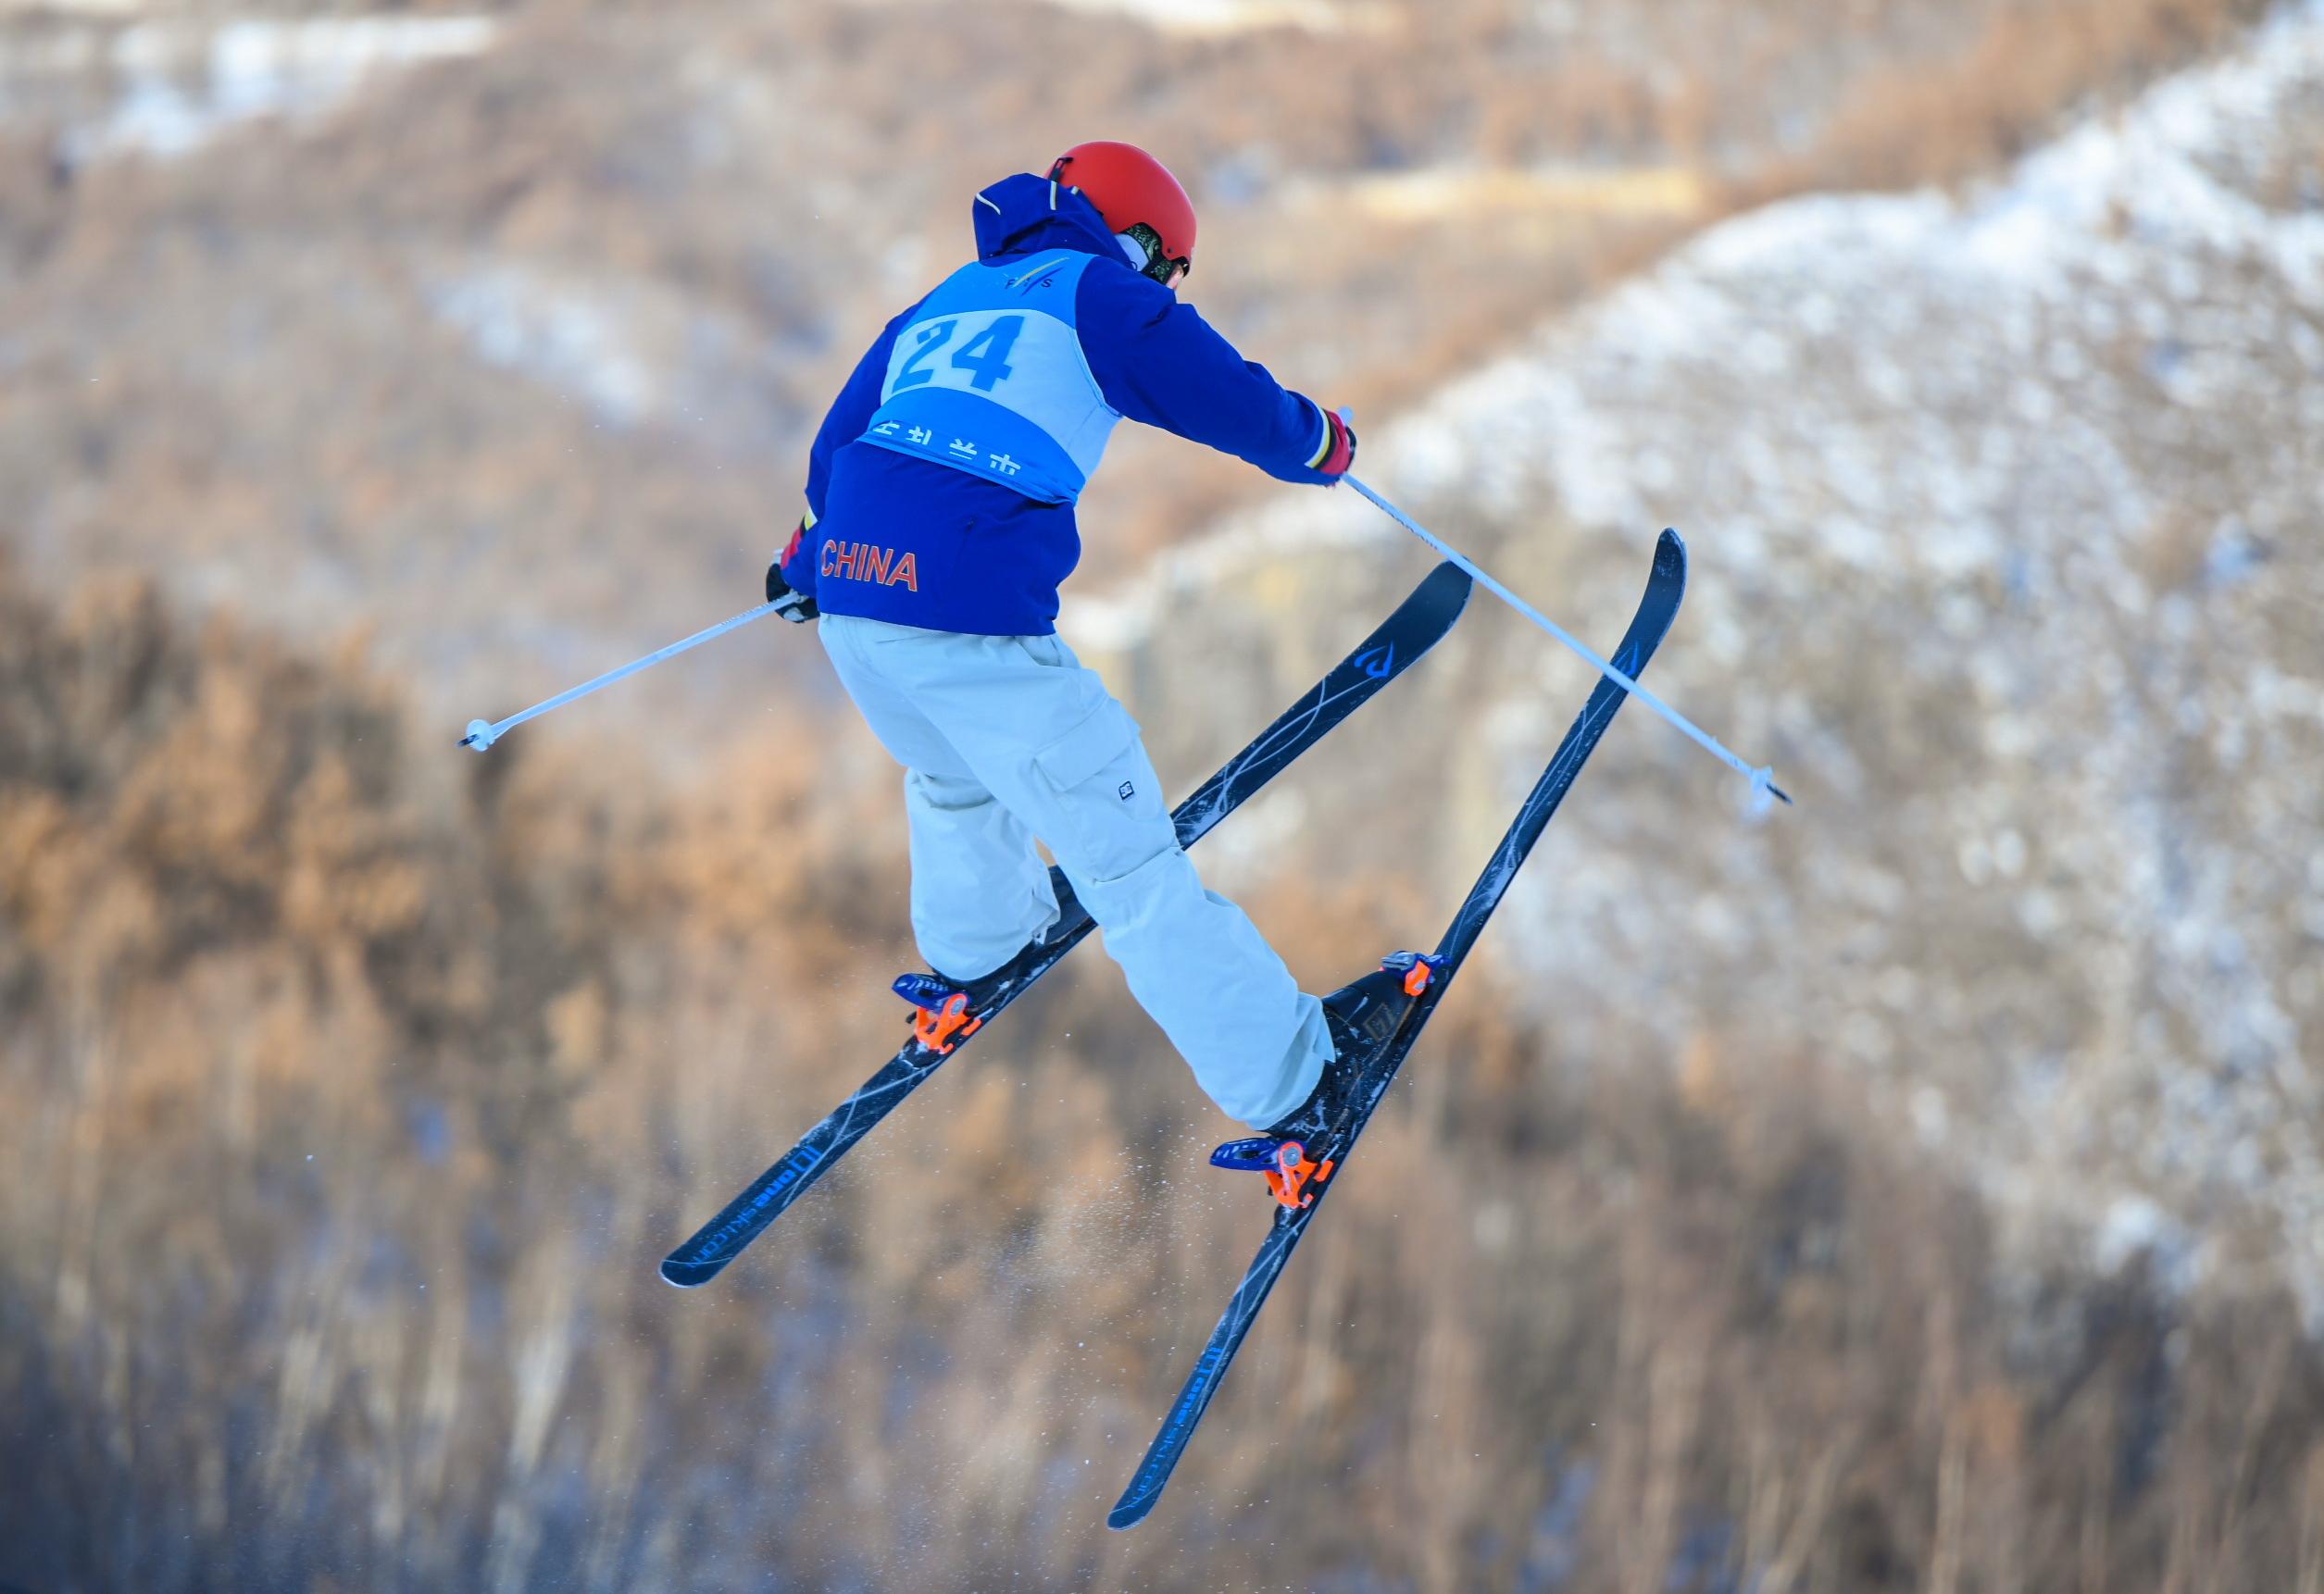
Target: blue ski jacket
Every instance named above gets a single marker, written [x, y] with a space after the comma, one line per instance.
[909, 519]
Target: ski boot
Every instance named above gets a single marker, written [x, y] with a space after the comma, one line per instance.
[947, 1011]
[1362, 1018]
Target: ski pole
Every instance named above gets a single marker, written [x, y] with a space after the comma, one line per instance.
[1763, 785]
[482, 735]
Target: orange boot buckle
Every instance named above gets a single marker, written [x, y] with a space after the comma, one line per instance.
[939, 1029]
[1292, 1175]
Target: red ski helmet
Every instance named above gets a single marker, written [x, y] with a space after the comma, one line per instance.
[1136, 195]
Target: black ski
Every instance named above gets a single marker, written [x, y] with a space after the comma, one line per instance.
[1656, 611]
[1419, 622]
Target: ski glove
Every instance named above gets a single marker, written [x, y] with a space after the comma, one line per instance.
[1337, 456]
[791, 604]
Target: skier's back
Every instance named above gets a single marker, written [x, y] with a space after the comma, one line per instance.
[941, 491]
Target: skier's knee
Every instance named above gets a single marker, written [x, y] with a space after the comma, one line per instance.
[1109, 798]
[945, 793]
[1137, 891]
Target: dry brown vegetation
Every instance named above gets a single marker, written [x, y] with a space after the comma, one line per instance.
[1901, 124]
[252, 362]
[346, 1110]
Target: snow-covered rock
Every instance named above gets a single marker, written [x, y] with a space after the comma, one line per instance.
[181, 86]
[2006, 511]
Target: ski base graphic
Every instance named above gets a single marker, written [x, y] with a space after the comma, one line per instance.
[1659, 606]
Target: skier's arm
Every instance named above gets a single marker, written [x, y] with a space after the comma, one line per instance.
[1158, 361]
[842, 424]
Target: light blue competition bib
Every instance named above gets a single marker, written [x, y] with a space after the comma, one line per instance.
[989, 377]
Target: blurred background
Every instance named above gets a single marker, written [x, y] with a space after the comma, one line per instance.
[1915, 1191]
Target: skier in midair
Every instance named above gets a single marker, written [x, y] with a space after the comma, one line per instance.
[940, 522]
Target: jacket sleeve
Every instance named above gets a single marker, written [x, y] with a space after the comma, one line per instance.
[842, 424]
[852, 411]
[1158, 361]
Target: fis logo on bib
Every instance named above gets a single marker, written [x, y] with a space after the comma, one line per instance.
[862, 561]
[1041, 274]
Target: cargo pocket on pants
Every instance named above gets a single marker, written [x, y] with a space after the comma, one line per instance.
[1109, 794]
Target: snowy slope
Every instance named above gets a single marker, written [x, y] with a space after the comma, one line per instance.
[2007, 516]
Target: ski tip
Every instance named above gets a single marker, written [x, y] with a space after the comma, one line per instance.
[1130, 1513]
[687, 1275]
[1440, 599]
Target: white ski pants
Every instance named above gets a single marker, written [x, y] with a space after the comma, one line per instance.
[1004, 738]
